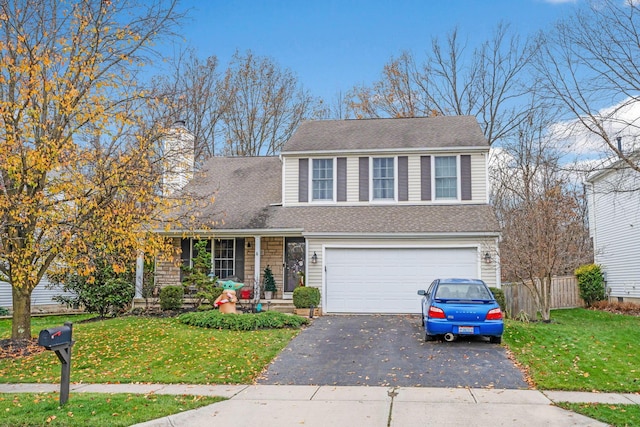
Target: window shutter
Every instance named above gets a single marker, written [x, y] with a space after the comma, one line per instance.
[403, 178]
[364, 179]
[239, 259]
[465, 177]
[425, 177]
[342, 179]
[303, 180]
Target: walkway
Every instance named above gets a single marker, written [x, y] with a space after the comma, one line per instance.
[274, 405]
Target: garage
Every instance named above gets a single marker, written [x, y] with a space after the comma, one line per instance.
[385, 280]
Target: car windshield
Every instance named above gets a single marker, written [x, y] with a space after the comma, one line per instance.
[462, 291]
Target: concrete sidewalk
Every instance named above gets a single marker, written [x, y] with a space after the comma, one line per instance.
[275, 405]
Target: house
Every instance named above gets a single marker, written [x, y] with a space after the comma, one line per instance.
[613, 197]
[369, 211]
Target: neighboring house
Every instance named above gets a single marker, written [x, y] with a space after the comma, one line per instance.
[42, 295]
[613, 195]
[369, 211]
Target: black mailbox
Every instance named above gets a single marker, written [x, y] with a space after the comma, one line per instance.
[54, 337]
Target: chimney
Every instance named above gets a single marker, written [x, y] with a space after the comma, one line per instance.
[178, 160]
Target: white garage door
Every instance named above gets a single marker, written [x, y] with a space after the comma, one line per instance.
[386, 280]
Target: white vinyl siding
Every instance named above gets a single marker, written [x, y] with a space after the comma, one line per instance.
[615, 227]
[414, 178]
[479, 179]
[290, 180]
[352, 180]
[42, 294]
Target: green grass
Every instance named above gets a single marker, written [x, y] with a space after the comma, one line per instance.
[580, 350]
[154, 350]
[614, 415]
[94, 409]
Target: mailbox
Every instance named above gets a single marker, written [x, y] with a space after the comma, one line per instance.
[60, 340]
[55, 337]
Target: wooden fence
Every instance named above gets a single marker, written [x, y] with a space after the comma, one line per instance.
[564, 294]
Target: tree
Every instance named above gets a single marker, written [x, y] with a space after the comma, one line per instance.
[76, 159]
[484, 83]
[193, 93]
[590, 66]
[264, 105]
[541, 212]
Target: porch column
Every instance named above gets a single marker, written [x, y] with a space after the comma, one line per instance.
[139, 274]
[256, 265]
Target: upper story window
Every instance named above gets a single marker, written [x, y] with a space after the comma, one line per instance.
[446, 177]
[322, 179]
[383, 178]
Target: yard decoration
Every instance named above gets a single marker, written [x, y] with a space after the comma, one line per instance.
[227, 300]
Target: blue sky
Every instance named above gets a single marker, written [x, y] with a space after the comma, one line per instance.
[333, 45]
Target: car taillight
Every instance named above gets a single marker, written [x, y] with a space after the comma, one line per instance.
[494, 314]
[436, 313]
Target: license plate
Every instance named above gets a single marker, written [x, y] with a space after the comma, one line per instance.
[465, 329]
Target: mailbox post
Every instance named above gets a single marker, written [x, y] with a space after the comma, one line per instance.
[60, 340]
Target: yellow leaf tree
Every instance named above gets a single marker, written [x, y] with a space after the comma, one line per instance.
[78, 164]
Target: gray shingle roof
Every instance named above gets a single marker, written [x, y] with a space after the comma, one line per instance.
[373, 134]
[246, 189]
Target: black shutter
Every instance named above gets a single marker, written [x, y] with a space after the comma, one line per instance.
[303, 180]
[239, 261]
[425, 177]
[465, 177]
[403, 178]
[364, 179]
[342, 179]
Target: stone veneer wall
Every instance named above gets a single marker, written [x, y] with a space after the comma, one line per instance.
[272, 254]
[168, 270]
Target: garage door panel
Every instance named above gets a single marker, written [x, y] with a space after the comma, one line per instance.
[385, 280]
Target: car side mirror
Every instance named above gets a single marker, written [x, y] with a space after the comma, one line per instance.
[422, 292]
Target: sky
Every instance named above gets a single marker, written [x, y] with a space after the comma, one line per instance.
[334, 45]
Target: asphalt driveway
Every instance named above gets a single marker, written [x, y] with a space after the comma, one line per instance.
[377, 350]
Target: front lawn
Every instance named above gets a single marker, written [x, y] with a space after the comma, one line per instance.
[580, 350]
[613, 415]
[92, 409]
[154, 350]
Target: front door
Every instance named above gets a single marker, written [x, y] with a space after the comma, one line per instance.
[294, 256]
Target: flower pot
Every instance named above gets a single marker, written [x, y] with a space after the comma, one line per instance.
[268, 294]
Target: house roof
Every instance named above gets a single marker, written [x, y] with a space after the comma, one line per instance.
[248, 194]
[376, 134]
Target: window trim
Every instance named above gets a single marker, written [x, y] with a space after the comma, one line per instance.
[395, 180]
[434, 195]
[334, 179]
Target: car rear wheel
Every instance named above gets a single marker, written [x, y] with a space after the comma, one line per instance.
[495, 340]
[428, 337]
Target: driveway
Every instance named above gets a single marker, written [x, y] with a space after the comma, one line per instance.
[377, 350]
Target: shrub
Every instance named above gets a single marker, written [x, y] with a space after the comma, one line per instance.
[171, 297]
[242, 322]
[591, 283]
[4, 311]
[306, 297]
[499, 296]
[103, 296]
[269, 281]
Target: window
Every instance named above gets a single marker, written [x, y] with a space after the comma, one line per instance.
[446, 177]
[322, 179]
[223, 258]
[383, 178]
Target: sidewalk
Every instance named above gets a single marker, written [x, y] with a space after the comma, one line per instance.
[275, 405]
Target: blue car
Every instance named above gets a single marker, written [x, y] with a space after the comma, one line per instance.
[455, 307]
